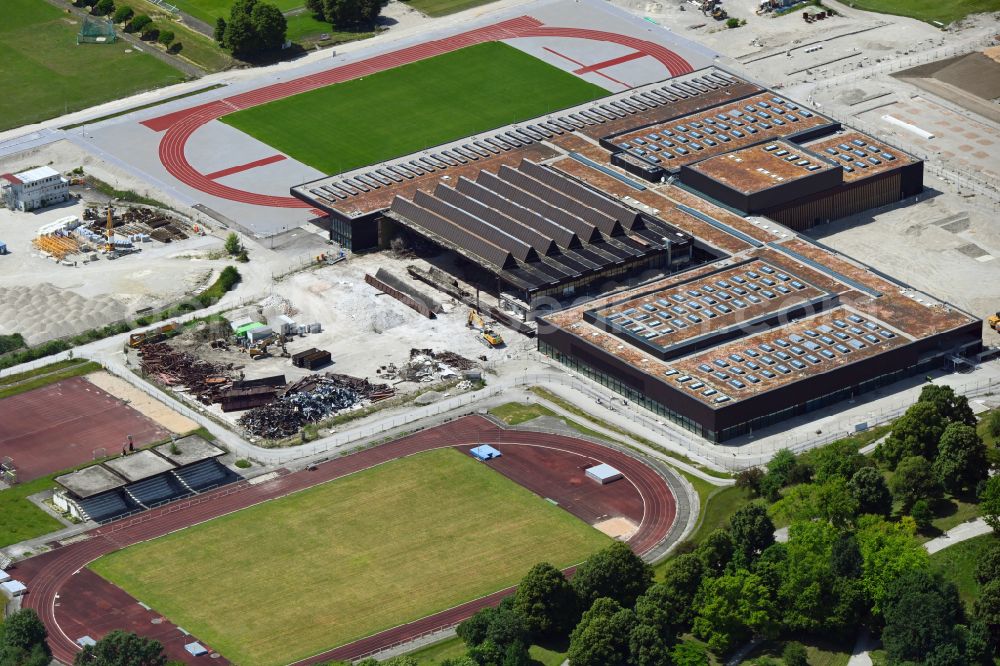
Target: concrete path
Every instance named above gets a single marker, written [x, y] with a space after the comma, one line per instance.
[963, 532]
[864, 645]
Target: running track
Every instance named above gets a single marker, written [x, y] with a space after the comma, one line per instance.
[180, 125]
[46, 574]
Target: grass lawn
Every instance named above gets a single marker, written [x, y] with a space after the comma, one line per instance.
[402, 110]
[818, 653]
[958, 564]
[45, 73]
[944, 11]
[21, 519]
[381, 547]
[443, 7]
[552, 655]
[196, 47]
[50, 374]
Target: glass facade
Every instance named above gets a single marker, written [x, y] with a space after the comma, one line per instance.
[746, 427]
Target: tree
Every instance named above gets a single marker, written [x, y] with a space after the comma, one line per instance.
[845, 557]
[922, 514]
[316, 8]
[122, 648]
[615, 572]
[750, 480]
[987, 609]
[921, 611]
[23, 640]
[240, 38]
[165, 37]
[138, 23]
[912, 481]
[989, 503]
[123, 14]
[351, 14]
[659, 610]
[988, 566]
[716, 551]
[601, 638]
[752, 530]
[233, 243]
[961, 461]
[915, 433]
[869, 488]
[781, 465]
[680, 585]
[732, 608]
[647, 646]
[953, 408]
[546, 601]
[837, 505]
[794, 654]
[104, 7]
[839, 459]
[888, 551]
[220, 30]
[689, 653]
[270, 25]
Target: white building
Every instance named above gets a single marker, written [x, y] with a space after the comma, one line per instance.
[34, 188]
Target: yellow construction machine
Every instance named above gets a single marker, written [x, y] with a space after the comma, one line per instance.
[487, 335]
[994, 321]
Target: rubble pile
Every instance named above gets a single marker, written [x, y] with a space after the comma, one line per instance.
[309, 400]
[426, 366]
[204, 379]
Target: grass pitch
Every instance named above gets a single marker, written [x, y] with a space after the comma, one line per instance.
[943, 11]
[44, 73]
[416, 106]
[295, 576]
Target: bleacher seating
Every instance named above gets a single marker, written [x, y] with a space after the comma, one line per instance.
[160, 488]
[205, 474]
[107, 506]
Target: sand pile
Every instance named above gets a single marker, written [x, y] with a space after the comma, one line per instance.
[44, 312]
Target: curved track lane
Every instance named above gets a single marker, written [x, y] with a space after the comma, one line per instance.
[50, 571]
[180, 126]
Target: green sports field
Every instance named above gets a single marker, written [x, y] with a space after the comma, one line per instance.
[292, 577]
[443, 7]
[44, 73]
[416, 106]
[943, 11]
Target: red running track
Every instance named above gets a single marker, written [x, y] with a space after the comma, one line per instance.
[180, 125]
[46, 574]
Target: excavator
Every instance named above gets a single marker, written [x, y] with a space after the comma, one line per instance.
[994, 321]
[487, 335]
[136, 340]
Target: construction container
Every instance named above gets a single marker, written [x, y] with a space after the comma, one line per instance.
[316, 360]
[3, 247]
[285, 324]
[297, 357]
[259, 333]
[315, 328]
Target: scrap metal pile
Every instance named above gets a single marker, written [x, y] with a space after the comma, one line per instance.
[426, 366]
[204, 379]
[309, 400]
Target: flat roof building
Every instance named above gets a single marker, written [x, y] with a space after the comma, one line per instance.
[35, 188]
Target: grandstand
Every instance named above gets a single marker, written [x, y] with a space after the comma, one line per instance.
[96, 30]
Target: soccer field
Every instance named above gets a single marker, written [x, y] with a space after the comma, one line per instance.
[44, 73]
[292, 577]
[403, 110]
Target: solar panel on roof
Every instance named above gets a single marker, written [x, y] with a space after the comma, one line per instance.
[453, 155]
[512, 139]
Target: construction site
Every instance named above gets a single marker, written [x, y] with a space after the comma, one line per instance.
[327, 342]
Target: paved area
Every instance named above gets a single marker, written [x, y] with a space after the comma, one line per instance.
[963, 532]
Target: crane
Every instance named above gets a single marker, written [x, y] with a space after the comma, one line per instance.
[109, 247]
[487, 335]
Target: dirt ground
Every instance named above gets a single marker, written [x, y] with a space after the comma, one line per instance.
[152, 409]
[617, 528]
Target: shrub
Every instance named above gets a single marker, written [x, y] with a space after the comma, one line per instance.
[150, 34]
[104, 7]
[242, 463]
[733, 23]
[232, 243]
[921, 514]
[11, 342]
[166, 37]
[175, 48]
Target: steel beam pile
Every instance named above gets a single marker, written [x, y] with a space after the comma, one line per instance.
[204, 379]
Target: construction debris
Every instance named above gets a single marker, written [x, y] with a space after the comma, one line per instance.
[203, 379]
[309, 400]
[427, 366]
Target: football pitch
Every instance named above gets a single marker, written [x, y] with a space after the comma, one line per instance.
[295, 576]
[402, 110]
[44, 73]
